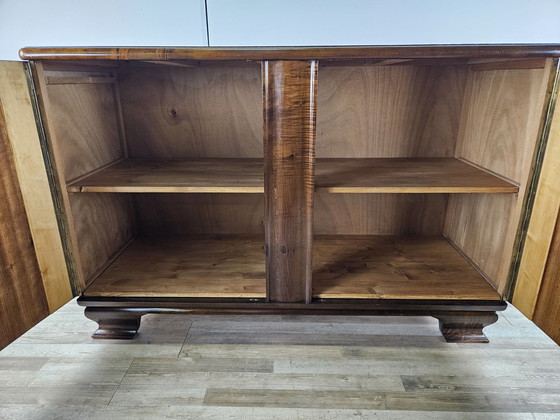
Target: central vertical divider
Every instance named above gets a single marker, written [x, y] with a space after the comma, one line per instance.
[290, 104]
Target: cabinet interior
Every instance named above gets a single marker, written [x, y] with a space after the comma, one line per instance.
[420, 175]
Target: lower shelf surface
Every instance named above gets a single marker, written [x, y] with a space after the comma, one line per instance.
[390, 267]
[228, 266]
[345, 267]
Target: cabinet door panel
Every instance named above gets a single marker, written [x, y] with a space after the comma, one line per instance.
[22, 155]
[23, 301]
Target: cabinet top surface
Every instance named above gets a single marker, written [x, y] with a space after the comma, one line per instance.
[292, 53]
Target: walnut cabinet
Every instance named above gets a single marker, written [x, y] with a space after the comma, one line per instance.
[355, 181]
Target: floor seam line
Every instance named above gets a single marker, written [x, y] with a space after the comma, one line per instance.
[185, 340]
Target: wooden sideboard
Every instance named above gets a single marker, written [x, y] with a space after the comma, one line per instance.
[384, 180]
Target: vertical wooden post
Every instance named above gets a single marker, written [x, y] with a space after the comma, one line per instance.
[289, 92]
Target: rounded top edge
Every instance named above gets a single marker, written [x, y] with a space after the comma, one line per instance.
[291, 53]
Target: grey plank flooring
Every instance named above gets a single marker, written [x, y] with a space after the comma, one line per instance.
[279, 367]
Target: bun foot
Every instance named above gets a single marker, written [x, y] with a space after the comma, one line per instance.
[465, 327]
[114, 323]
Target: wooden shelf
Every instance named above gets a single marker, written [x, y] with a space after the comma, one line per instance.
[366, 267]
[176, 176]
[389, 267]
[406, 175]
[385, 175]
[227, 266]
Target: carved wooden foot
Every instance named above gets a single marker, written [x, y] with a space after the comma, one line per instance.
[465, 327]
[114, 323]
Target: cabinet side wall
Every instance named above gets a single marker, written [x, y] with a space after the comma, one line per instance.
[82, 112]
[386, 111]
[500, 126]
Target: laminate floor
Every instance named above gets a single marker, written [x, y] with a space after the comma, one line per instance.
[279, 367]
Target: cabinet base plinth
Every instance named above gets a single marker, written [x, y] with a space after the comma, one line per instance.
[459, 320]
[465, 327]
[116, 324]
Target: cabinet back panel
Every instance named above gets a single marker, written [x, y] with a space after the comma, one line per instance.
[499, 131]
[389, 111]
[176, 112]
[214, 214]
[346, 214]
[379, 214]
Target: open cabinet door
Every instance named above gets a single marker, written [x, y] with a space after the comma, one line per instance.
[33, 275]
[537, 290]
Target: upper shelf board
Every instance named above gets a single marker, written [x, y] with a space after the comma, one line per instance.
[360, 175]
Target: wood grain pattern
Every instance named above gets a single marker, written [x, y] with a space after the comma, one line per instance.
[209, 112]
[425, 383]
[195, 267]
[66, 74]
[379, 214]
[501, 118]
[479, 225]
[371, 112]
[412, 175]
[21, 131]
[103, 224]
[397, 111]
[388, 267]
[82, 124]
[232, 397]
[505, 64]
[187, 214]
[383, 106]
[82, 120]
[436, 405]
[114, 325]
[58, 371]
[177, 176]
[465, 327]
[60, 80]
[499, 131]
[536, 250]
[421, 175]
[362, 267]
[547, 310]
[23, 302]
[289, 91]
[58, 179]
[293, 53]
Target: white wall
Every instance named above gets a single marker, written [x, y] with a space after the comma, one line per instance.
[99, 23]
[274, 22]
[382, 22]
